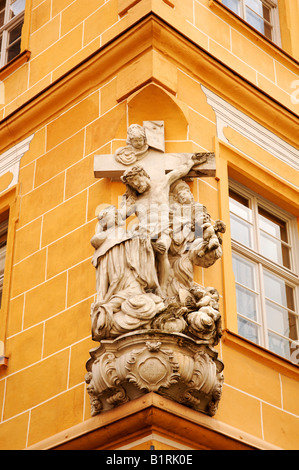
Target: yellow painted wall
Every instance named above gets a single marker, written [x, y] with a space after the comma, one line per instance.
[60, 34]
[42, 390]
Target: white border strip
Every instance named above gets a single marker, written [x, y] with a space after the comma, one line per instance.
[228, 115]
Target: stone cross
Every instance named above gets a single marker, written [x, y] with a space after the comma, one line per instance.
[155, 161]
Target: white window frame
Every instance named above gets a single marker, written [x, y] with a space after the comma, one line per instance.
[274, 18]
[6, 29]
[262, 263]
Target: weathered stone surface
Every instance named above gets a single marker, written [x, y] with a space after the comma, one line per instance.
[157, 328]
[171, 364]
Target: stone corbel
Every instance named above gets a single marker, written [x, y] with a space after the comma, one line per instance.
[177, 367]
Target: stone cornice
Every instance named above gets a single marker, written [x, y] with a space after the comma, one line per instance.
[145, 415]
[150, 32]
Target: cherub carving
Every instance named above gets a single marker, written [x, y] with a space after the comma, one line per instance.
[136, 147]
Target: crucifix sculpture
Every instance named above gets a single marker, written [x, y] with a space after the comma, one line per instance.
[147, 302]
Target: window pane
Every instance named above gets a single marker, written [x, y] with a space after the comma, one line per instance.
[241, 215]
[279, 345]
[259, 16]
[239, 205]
[270, 247]
[2, 13]
[255, 5]
[241, 231]
[255, 20]
[232, 4]
[14, 50]
[244, 272]
[248, 330]
[3, 241]
[16, 7]
[246, 303]
[277, 290]
[274, 250]
[15, 42]
[281, 320]
[272, 225]
[258, 23]
[15, 33]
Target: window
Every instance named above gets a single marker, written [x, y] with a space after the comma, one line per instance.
[3, 243]
[263, 244]
[11, 23]
[261, 14]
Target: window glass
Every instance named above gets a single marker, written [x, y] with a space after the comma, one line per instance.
[248, 330]
[13, 50]
[239, 205]
[15, 34]
[274, 250]
[14, 42]
[244, 272]
[274, 238]
[256, 12]
[247, 298]
[232, 4]
[3, 242]
[260, 22]
[280, 308]
[279, 345]
[240, 219]
[281, 320]
[2, 12]
[276, 289]
[16, 7]
[256, 21]
[272, 224]
[11, 22]
[267, 309]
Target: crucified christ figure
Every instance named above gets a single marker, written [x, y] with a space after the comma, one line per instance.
[149, 200]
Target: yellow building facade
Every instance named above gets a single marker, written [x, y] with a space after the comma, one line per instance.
[223, 76]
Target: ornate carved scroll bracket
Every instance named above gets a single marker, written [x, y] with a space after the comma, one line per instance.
[173, 365]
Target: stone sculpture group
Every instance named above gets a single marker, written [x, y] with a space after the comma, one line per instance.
[157, 328]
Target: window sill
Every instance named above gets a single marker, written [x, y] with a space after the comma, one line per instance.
[14, 64]
[263, 355]
[253, 34]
